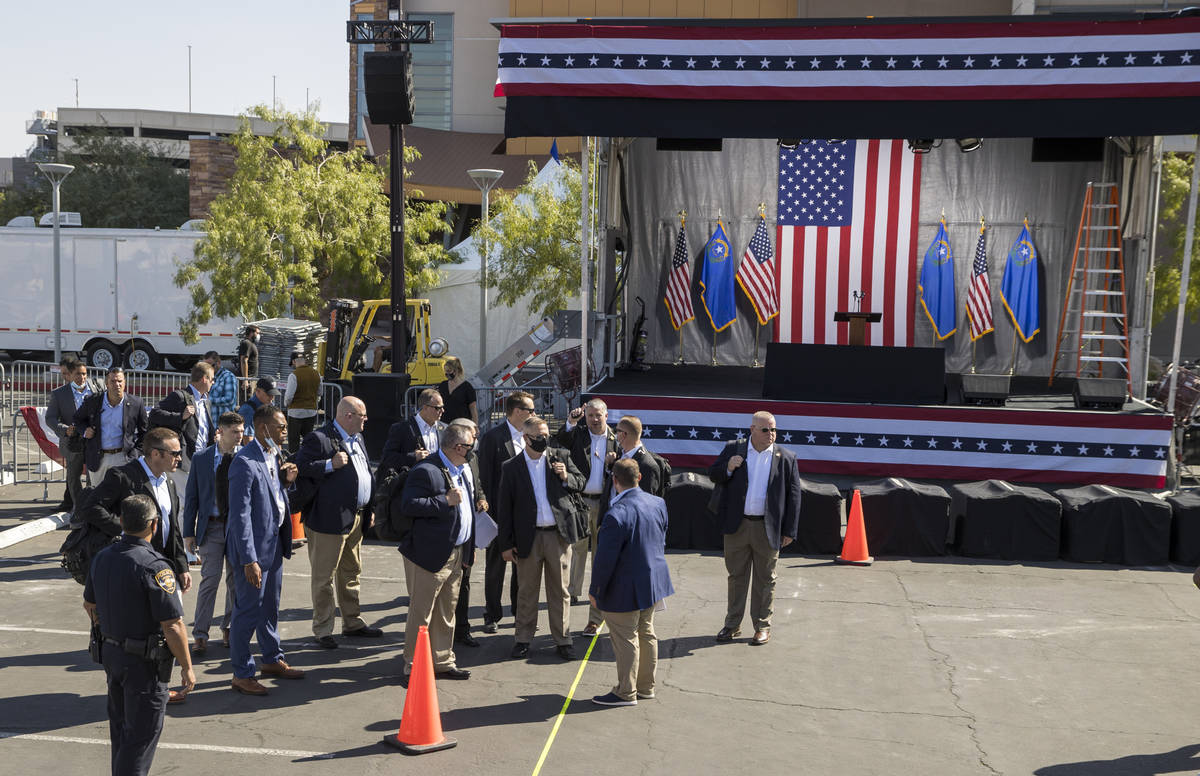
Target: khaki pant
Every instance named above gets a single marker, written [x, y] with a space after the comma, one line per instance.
[579, 556]
[431, 601]
[336, 565]
[636, 650]
[108, 461]
[750, 561]
[550, 557]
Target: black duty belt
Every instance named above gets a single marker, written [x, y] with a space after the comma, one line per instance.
[112, 450]
[546, 527]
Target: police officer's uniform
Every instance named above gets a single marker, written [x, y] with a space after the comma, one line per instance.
[133, 588]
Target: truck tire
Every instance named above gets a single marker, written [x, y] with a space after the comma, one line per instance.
[102, 355]
[183, 363]
[140, 357]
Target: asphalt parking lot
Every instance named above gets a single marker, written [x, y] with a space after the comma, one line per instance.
[938, 666]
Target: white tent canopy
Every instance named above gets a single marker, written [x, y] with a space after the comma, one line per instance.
[456, 299]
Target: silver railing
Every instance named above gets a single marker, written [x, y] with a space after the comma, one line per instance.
[26, 462]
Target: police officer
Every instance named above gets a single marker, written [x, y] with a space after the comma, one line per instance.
[130, 598]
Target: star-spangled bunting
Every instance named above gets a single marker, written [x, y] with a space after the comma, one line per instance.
[756, 274]
[1047, 59]
[979, 293]
[938, 442]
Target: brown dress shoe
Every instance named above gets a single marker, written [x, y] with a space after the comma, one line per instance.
[248, 686]
[175, 696]
[760, 637]
[728, 634]
[281, 670]
[200, 647]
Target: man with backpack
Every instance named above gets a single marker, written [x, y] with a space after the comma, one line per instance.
[334, 458]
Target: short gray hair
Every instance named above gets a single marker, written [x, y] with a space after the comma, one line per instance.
[456, 435]
[597, 404]
[464, 422]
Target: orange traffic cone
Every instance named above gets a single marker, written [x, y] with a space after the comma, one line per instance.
[297, 528]
[421, 725]
[854, 549]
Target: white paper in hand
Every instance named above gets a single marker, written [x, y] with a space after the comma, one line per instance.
[485, 529]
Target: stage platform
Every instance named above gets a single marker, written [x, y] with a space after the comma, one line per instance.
[690, 411]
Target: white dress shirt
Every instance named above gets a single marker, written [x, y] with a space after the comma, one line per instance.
[537, 473]
[460, 477]
[518, 437]
[275, 486]
[595, 482]
[428, 434]
[203, 418]
[162, 496]
[356, 451]
[758, 471]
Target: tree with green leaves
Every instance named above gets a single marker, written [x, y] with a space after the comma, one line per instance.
[117, 184]
[534, 239]
[301, 223]
[1172, 231]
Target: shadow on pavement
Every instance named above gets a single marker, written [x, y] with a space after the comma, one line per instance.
[1181, 760]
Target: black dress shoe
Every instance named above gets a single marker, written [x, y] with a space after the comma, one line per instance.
[728, 634]
[565, 651]
[365, 632]
[328, 642]
[490, 626]
[453, 673]
[466, 639]
[520, 650]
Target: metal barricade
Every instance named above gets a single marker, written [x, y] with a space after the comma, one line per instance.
[29, 385]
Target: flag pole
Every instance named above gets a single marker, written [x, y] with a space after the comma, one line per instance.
[679, 361]
[975, 340]
[757, 329]
[714, 348]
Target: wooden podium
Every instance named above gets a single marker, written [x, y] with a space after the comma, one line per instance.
[858, 324]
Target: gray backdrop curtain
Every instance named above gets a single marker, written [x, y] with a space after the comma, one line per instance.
[998, 182]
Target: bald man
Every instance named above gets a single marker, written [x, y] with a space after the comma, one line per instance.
[759, 514]
[335, 457]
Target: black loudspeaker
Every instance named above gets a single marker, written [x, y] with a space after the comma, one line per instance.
[1100, 393]
[388, 82]
[384, 396]
[985, 390]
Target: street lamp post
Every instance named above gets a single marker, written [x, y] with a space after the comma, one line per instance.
[485, 180]
[56, 173]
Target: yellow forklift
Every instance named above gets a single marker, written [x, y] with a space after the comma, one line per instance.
[348, 337]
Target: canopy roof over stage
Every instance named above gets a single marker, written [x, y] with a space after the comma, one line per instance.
[1018, 76]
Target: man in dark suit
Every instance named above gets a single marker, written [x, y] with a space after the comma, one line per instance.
[759, 514]
[205, 515]
[538, 523]
[499, 444]
[410, 441]
[112, 423]
[259, 537]
[187, 412]
[149, 475]
[629, 445]
[65, 401]
[438, 496]
[629, 578]
[590, 443]
[334, 456]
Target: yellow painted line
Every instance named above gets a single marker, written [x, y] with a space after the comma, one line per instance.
[570, 694]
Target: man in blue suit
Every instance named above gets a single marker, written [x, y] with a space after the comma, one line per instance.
[259, 537]
[205, 515]
[629, 578]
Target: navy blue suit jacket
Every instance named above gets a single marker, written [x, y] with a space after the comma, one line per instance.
[332, 510]
[200, 495]
[251, 535]
[629, 572]
[783, 492]
[169, 413]
[435, 522]
[133, 426]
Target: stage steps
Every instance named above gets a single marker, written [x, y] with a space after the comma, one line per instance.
[1093, 331]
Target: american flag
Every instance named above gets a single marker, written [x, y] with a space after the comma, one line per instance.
[847, 222]
[679, 284]
[756, 275]
[979, 294]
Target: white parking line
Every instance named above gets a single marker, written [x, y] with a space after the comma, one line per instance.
[43, 630]
[166, 745]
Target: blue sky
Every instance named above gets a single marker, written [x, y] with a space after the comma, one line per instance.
[133, 54]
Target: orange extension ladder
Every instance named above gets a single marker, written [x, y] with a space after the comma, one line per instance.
[1093, 330]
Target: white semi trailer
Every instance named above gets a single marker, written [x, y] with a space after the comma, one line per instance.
[120, 304]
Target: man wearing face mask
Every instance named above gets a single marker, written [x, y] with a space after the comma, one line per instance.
[537, 526]
[462, 627]
[64, 402]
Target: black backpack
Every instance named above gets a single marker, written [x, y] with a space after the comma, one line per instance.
[391, 524]
[664, 468]
[82, 544]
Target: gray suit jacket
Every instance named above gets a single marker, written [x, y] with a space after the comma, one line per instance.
[60, 411]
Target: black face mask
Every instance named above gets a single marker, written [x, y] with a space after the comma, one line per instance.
[537, 444]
